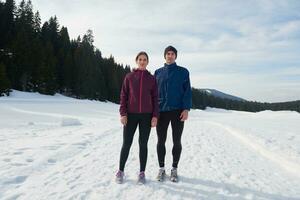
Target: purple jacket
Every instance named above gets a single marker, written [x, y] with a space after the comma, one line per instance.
[139, 93]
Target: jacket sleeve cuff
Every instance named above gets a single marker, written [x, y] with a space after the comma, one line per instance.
[123, 114]
[155, 115]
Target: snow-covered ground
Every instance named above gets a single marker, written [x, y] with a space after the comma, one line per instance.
[55, 147]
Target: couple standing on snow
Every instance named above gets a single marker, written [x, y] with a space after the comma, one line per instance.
[154, 101]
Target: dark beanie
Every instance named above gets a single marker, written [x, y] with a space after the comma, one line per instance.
[170, 48]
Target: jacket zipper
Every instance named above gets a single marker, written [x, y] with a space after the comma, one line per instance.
[141, 85]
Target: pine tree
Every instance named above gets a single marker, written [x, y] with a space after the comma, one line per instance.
[49, 77]
[4, 82]
[6, 22]
[64, 50]
[37, 22]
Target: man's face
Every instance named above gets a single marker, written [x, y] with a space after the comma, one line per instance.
[170, 57]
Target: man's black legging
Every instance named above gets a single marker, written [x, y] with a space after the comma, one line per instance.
[162, 127]
[144, 122]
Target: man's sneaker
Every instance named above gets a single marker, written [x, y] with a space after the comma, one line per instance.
[174, 177]
[119, 177]
[161, 175]
[141, 178]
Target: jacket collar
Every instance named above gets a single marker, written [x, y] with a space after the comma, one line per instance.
[139, 70]
[171, 65]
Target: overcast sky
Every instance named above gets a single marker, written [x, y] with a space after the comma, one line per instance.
[249, 49]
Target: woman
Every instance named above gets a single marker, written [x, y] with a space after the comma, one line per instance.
[138, 106]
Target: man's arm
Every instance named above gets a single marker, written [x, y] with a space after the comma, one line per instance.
[187, 96]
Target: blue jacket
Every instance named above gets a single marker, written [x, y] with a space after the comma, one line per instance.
[174, 88]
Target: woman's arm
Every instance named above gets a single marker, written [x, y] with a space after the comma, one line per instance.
[124, 97]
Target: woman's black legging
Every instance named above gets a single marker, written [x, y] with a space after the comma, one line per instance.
[144, 122]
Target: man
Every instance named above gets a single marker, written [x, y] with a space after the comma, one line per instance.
[175, 101]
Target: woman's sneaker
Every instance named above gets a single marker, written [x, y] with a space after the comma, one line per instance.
[174, 176]
[161, 175]
[141, 178]
[119, 177]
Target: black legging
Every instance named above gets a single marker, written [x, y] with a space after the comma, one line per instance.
[144, 122]
[162, 128]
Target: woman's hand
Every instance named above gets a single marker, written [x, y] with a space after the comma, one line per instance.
[153, 122]
[123, 120]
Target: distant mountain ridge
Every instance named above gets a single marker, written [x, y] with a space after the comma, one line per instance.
[220, 94]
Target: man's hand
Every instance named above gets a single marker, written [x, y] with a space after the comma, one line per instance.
[153, 122]
[123, 120]
[184, 115]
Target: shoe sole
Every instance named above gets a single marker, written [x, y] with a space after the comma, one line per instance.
[160, 180]
[174, 180]
[141, 183]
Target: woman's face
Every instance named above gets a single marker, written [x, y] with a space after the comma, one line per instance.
[142, 61]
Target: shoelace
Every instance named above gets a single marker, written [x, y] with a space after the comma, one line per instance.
[174, 172]
[119, 174]
[142, 175]
[161, 172]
